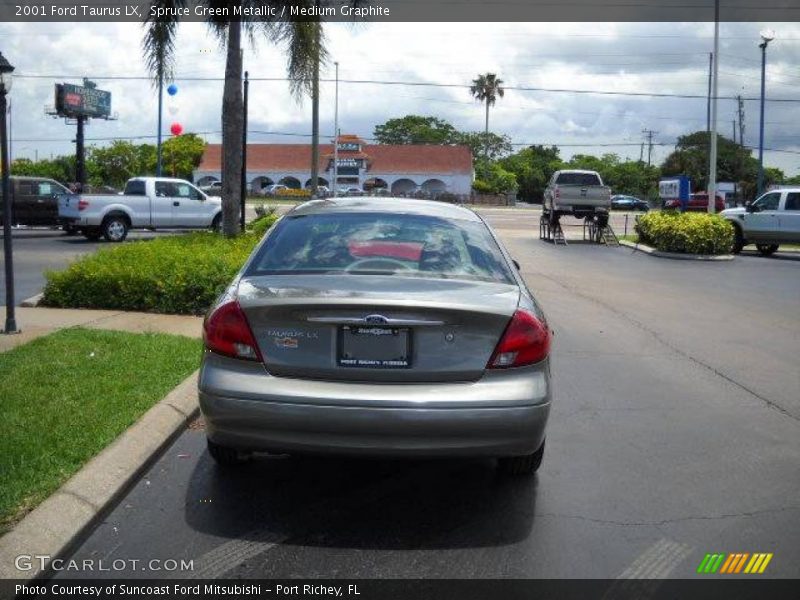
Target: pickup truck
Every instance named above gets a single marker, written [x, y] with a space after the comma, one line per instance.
[147, 203]
[577, 193]
[773, 219]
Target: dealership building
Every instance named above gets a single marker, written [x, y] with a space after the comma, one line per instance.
[401, 169]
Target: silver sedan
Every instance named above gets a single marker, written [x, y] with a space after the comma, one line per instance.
[377, 327]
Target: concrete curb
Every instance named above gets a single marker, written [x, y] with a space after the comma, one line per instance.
[674, 255]
[33, 301]
[56, 525]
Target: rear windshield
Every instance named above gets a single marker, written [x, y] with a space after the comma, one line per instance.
[578, 179]
[382, 243]
[135, 187]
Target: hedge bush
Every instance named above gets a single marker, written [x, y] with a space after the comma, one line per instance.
[685, 233]
[180, 274]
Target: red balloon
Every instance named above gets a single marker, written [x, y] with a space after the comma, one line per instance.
[176, 129]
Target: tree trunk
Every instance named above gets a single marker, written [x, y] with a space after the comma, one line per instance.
[487, 117]
[232, 126]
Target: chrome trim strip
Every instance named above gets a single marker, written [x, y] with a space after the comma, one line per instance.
[363, 321]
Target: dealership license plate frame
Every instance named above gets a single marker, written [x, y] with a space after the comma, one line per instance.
[352, 340]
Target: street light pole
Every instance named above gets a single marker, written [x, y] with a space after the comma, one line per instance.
[766, 37]
[8, 250]
[336, 135]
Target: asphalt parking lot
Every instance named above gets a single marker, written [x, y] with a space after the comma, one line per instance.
[675, 431]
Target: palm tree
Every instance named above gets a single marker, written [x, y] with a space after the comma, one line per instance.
[301, 46]
[487, 88]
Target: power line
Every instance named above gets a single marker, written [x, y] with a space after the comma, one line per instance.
[519, 88]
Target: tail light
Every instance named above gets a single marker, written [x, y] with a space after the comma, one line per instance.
[83, 204]
[227, 332]
[558, 194]
[525, 341]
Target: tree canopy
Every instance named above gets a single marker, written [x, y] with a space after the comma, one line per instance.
[416, 129]
[114, 164]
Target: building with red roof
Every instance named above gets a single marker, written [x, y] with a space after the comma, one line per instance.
[402, 169]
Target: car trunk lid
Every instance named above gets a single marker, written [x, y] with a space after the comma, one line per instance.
[376, 327]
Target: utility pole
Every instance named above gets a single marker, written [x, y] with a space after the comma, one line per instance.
[767, 37]
[649, 133]
[160, 111]
[733, 124]
[708, 102]
[336, 135]
[244, 152]
[315, 112]
[741, 119]
[712, 170]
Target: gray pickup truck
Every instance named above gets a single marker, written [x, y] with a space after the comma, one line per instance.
[147, 203]
[577, 193]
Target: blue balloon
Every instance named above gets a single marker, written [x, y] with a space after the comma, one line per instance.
[172, 89]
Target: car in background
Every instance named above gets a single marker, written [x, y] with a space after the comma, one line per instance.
[322, 191]
[773, 219]
[372, 328]
[273, 190]
[622, 202]
[212, 189]
[34, 201]
[698, 202]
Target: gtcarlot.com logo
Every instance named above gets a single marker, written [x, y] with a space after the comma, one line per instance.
[28, 562]
[732, 564]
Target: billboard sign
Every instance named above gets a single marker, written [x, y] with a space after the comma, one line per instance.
[82, 101]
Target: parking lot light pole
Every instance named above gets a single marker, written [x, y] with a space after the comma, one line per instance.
[766, 37]
[5, 87]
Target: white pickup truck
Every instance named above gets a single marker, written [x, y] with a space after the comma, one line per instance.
[577, 193]
[146, 203]
[773, 219]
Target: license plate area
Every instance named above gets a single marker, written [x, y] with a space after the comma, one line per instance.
[368, 347]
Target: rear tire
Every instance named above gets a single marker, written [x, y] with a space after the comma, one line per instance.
[225, 456]
[738, 240]
[115, 228]
[522, 465]
[216, 224]
[767, 249]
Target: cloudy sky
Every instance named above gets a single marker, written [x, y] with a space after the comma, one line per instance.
[664, 58]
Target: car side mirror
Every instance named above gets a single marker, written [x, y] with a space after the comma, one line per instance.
[750, 207]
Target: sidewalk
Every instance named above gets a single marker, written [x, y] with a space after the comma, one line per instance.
[36, 322]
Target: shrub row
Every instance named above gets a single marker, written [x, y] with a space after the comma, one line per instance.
[686, 233]
[180, 274]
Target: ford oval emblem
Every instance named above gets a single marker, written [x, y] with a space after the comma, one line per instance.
[376, 320]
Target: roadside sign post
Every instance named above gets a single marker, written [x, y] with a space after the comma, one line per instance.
[81, 103]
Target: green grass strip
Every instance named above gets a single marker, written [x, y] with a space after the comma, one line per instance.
[66, 396]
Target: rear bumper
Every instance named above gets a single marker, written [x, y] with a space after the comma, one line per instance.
[501, 415]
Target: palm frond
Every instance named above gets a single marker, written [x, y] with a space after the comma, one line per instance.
[158, 43]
